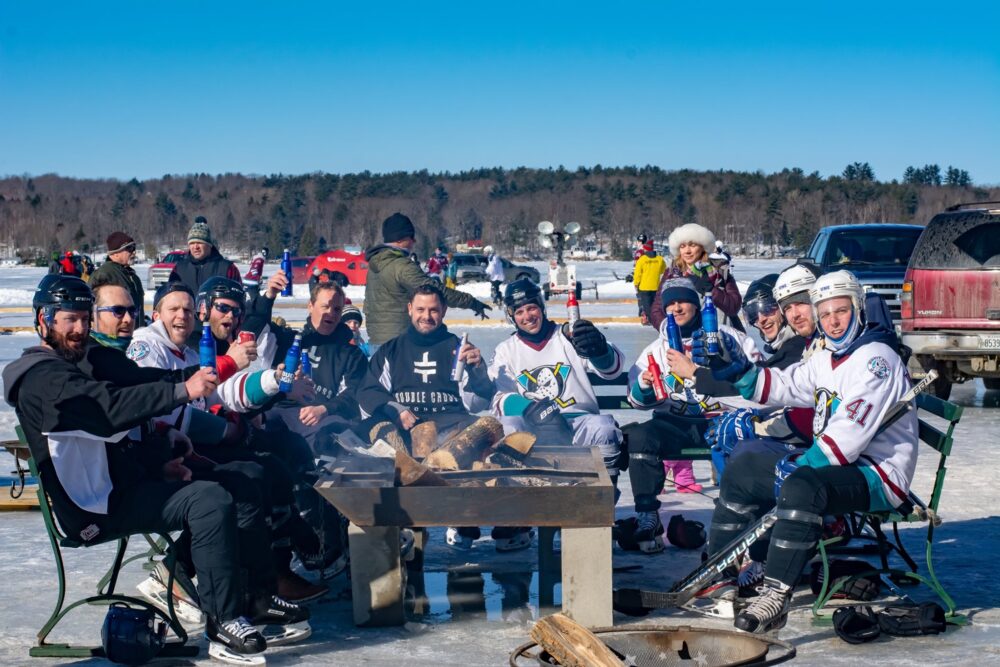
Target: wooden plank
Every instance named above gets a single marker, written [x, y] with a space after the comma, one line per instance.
[28, 500]
[571, 644]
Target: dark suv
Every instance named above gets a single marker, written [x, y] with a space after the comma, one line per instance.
[951, 296]
[877, 253]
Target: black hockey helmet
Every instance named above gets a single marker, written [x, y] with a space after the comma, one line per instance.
[760, 298]
[520, 292]
[58, 291]
[217, 287]
[265, 252]
[685, 533]
[642, 238]
[131, 636]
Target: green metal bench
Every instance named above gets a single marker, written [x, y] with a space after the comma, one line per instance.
[105, 587]
[917, 511]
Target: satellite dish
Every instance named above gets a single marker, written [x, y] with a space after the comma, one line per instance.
[572, 227]
[546, 227]
[545, 241]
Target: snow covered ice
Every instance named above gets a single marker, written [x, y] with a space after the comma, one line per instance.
[461, 625]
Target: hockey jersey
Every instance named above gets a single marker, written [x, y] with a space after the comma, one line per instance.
[685, 398]
[850, 396]
[525, 372]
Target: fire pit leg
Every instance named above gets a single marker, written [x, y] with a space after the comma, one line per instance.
[377, 578]
[586, 576]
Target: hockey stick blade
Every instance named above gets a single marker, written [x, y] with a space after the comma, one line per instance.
[638, 602]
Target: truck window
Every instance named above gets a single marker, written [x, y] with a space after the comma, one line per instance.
[816, 249]
[969, 241]
[877, 246]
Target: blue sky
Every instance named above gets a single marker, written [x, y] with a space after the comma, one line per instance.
[147, 88]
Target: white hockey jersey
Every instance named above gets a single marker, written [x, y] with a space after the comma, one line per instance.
[850, 397]
[683, 396]
[524, 373]
[244, 391]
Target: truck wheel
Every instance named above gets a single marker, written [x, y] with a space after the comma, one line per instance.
[942, 387]
[992, 384]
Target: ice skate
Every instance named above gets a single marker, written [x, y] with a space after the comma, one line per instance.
[648, 535]
[236, 642]
[715, 600]
[154, 589]
[767, 611]
[512, 539]
[461, 538]
[281, 622]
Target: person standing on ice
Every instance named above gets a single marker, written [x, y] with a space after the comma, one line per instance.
[681, 418]
[851, 384]
[541, 377]
[691, 247]
[255, 274]
[393, 277]
[648, 270]
[495, 274]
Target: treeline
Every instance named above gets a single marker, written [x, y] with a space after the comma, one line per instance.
[502, 206]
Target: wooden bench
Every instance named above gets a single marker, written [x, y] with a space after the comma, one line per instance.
[915, 511]
[105, 587]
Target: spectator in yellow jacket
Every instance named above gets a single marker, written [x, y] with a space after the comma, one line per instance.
[648, 269]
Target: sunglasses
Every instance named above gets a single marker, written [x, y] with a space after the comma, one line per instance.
[225, 309]
[119, 311]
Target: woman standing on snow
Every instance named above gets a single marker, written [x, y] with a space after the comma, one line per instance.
[691, 247]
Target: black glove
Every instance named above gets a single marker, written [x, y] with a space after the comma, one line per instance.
[702, 283]
[547, 423]
[480, 308]
[588, 341]
[630, 277]
[543, 412]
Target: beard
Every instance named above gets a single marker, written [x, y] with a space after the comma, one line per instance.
[58, 343]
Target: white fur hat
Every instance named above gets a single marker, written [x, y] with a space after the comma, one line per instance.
[691, 232]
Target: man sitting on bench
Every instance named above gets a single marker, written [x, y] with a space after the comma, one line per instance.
[76, 428]
[851, 384]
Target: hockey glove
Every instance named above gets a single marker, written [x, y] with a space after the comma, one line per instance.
[547, 423]
[726, 430]
[907, 620]
[588, 341]
[782, 469]
[729, 365]
[480, 308]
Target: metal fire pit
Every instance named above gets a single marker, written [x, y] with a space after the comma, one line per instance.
[666, 646]
[565, 488]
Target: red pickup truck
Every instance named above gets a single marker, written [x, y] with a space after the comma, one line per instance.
[159, 272]
[950, 301]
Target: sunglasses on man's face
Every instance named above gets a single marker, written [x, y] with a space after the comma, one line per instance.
[119, 311]
[225, 309]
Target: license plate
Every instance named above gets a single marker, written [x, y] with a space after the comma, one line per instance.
[989, 342]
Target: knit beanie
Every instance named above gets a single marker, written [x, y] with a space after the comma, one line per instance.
[200, 232]
[351, 313]
[397, 227]
[679, 289]
[119, 241]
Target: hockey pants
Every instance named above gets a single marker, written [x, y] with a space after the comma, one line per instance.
[649, 444]
[588, 431]
[806, 496]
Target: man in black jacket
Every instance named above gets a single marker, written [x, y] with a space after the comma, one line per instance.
[77, 430]
[203, 260]
[337, 366]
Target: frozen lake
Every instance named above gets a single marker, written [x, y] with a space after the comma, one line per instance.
[478, 604]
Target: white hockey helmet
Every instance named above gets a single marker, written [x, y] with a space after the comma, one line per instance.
[832, 285]
[794, 283]
[488, 250]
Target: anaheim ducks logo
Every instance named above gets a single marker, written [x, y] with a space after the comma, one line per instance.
[826, 402]
[546, 382]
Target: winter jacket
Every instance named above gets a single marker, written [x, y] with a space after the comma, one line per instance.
[494, 269]
[647, 272]
[392, 277]
[195, 272]
[76, 428]
[721, 284]
[413, 372]
[113, 273]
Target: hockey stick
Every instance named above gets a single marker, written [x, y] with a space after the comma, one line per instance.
[635, 601]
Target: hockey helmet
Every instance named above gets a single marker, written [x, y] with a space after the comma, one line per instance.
[488, 250]
[58, 291]
[642, 238]
[131, 636]
[794, 283]
[759, 298]
[217, 287]
[837, 284]
[519, 293]
[265, 253]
